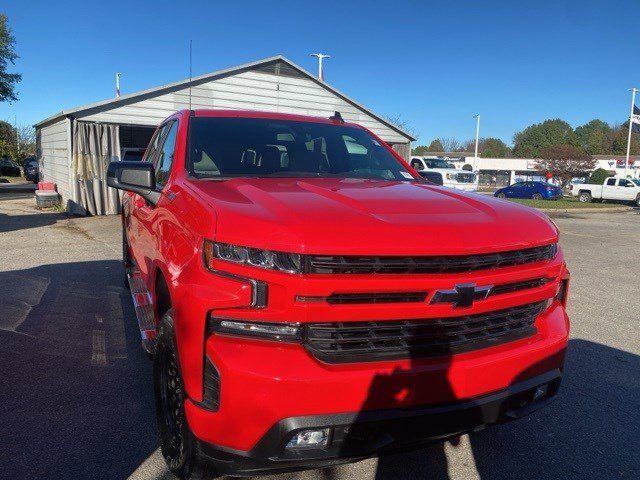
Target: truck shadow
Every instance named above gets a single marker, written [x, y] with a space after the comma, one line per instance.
[76, 387]
[590, 431]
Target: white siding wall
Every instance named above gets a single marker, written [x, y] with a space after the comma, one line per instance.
[56, 154]
[249, 90]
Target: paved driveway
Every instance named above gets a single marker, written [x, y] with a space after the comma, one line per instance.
[76, 389]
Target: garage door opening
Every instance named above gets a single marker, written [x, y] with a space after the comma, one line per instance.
[133, 141]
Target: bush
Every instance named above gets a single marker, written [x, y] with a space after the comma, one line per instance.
[599, 175]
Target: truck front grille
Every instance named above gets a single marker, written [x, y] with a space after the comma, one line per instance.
[345, 342]
[435, 264]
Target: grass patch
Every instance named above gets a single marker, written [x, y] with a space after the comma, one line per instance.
[562, 204]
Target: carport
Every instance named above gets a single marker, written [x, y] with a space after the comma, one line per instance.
[75, 146]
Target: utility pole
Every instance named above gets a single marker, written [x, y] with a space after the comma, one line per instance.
[320, 57]
[118, 84]
[477, 117]
[633, 102]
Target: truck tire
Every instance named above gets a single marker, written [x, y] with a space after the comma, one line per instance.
[584, 197]
[637, 202]
[179, 447]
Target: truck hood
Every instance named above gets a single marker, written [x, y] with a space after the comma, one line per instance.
[368, 217]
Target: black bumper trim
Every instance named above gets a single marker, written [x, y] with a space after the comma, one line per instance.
[359, 435]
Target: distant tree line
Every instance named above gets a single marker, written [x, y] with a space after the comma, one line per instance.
[16, 143]
[541, 139]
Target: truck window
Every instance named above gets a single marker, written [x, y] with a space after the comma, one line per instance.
[611, 182]
[623, 183]
[152, 149]
[165, 154]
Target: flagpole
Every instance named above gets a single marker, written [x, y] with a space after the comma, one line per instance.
[633, 102]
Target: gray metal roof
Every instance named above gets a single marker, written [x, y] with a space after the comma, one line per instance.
[152, 92]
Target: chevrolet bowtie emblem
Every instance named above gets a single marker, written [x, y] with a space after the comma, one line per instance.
[463, 295]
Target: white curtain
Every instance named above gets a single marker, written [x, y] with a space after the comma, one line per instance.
[94, 146]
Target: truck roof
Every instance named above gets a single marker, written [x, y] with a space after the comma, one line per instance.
[269, 115]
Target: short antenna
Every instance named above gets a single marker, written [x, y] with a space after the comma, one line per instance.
[190, 69]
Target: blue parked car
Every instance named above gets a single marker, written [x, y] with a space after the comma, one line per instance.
[535, 190]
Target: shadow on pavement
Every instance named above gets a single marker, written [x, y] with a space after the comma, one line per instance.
[10, 223]
[590, 431]
[76, 390]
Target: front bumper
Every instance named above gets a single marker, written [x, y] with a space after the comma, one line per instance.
[359, 435]
[262, 382]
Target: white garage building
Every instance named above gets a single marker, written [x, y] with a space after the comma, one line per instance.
[74, 146]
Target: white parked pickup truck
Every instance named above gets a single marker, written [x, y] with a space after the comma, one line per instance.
[613, 188]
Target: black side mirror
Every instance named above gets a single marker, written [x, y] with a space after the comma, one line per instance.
[136, 177]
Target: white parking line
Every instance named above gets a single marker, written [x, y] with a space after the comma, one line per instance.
[98, 352]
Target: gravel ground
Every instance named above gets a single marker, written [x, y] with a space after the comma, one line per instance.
[76, 388]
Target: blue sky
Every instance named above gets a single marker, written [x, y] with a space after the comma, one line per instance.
[433, 63]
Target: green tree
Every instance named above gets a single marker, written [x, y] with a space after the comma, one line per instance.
[420, 150]
[599, 175]
[435, 146]
[595, 137]
[493, 148]
[530, 142]
[8, 56]
[620, 136]
[8, 145]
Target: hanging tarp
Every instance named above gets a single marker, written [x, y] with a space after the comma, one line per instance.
[94, 146]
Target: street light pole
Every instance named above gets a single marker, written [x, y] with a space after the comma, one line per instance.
[118, 84]
[633, 101]
[320, 57]
[477, 117]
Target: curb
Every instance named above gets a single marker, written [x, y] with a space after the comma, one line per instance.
[586, 210]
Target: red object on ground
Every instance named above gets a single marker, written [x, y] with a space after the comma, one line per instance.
[549, 176]
[308, 279]
[47, 186]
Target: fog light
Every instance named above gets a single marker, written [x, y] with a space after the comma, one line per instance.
[541, 391]
[310, 439]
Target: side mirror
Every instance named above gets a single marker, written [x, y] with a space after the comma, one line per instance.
[136, 177]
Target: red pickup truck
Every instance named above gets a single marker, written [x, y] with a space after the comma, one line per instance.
[310, 300]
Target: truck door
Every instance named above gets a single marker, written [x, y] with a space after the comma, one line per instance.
[625, 192]
[609, 189]
[149, 215]
[134, 230]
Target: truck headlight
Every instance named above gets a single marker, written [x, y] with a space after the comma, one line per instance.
[255, 257]
[283, 332]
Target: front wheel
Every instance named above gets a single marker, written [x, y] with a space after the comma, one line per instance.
[537, 196]
[584, 197]
[502, 195]
[637, 202]
[178, 445]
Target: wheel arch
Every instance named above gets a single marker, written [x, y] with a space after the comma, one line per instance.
[161, 294]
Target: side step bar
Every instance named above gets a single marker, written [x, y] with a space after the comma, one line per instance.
[145, 312]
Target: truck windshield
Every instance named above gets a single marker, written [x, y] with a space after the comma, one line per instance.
[256, 147]
[636, 181]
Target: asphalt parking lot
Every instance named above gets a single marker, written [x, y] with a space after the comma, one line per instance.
[76, 387]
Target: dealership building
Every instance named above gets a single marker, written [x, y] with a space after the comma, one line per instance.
[500, 172]
[75, 145]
